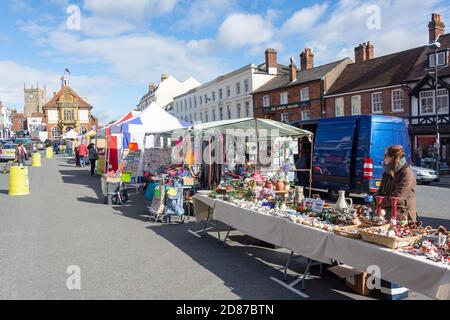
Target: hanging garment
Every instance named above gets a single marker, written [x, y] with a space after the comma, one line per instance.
[174, 202]
[157, 206]
[150, 191]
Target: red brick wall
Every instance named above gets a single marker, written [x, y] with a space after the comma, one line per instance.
[17, 120]
[293, 96]
[366, 103]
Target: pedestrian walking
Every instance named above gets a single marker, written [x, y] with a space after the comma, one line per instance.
[93, 157]
[77, 155]
[69, 148]
[55, 148]
[21, 154]
[82, 152]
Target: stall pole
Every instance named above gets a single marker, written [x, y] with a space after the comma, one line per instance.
[257, 142]
[107, 153]
[310, 169]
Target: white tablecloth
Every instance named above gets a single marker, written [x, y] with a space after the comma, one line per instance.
[421, 275]
[304, 240]
[416, 273]
[202, 203]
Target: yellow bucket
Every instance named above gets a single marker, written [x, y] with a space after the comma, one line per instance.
[49, 153]
[18, 181]
[36, 160]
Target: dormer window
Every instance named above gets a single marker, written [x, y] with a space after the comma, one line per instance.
[441, 59]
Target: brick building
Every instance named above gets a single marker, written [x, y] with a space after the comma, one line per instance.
[372, 85]
[400, 84]
[18, 121]
[298, 94]
[421, 80]
[67, 110]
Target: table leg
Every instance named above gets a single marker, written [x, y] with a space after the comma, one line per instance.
[226, 236]
[287, 265]
[308, 266]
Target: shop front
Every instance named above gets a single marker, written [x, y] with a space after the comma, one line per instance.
[425, 148]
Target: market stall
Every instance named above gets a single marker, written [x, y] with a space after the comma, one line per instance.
[153, 119]
[408, 254]
[257, 203]
[113, 145]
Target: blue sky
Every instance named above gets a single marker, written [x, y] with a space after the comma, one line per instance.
[122, 45]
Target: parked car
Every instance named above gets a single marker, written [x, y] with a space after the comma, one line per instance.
[349, 152]
[48, 143]
[8, 152]
[40, 145]
[424, 175]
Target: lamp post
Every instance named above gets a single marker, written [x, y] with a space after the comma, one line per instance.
[436, 45]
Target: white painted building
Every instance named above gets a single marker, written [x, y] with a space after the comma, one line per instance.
[228, 96]
[5, 122]
[163, 93]
[36, 124]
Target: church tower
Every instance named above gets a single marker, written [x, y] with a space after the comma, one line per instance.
[34, 99]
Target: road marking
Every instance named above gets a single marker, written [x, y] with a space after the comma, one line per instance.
[290, 287]
[195, 233]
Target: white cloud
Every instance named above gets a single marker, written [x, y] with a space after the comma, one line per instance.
[140, 57]
[136, 9]
[105, 27]
[302, 20]
[258, 50]
[240, 29]
[202, 13]
[403, 26]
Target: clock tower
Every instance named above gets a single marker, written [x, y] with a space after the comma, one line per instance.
[34, 99]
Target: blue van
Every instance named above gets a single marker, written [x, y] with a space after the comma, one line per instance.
[349, 152]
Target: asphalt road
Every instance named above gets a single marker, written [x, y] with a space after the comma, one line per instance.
[121, 255]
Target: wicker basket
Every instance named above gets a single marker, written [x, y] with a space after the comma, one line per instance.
[390, 242]
[346, 231]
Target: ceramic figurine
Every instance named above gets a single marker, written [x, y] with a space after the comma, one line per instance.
[341, 203]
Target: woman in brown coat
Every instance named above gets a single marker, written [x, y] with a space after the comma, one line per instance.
[398, 181]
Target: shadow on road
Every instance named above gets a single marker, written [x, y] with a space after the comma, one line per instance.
[82, 176]
[242, 265]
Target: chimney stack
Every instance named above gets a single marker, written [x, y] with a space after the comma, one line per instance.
[292, 71]
[152, 87]
[364, 52]
[370, 51]
[436, 27]
[360, 53]
[306, 59]
[271, 61]
[164, 77]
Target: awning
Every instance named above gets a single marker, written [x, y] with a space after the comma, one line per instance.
[153, 119]
[285, 130]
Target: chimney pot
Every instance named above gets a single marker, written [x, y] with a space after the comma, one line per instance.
[271, 61]
[306, 59]
[436, 27]
[365, 51]
[292, 71]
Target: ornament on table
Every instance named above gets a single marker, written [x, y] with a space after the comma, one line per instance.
[394, 215]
